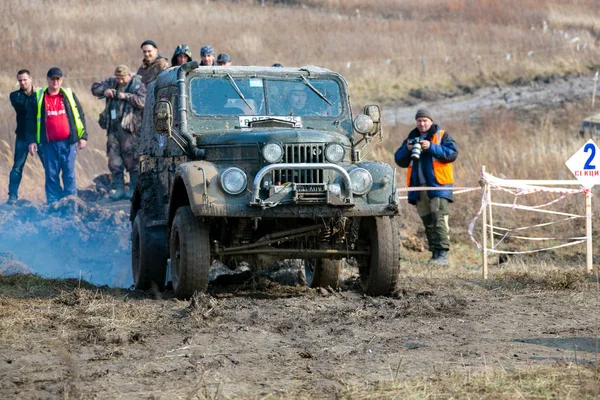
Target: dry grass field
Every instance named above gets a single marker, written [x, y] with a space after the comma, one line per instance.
[378, 46]
[531, 332]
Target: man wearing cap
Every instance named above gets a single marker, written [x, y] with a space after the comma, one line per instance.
[223, 60]
[207, 56]
[55, 120]
[122, 118]
[152, 64]
[430, 167]
[19, 100]
[181, 55]
[296, 99]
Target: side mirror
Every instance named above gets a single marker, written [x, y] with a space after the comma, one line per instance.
[163, 116]
[368, 123]
[373, 112]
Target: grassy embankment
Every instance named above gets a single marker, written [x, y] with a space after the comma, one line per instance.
[464, 43]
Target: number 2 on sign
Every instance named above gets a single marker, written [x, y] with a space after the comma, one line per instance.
[592, 149]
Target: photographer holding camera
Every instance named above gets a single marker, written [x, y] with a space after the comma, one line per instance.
[428, 153]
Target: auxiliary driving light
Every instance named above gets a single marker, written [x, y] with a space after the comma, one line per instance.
[233, 180]
[363, 124]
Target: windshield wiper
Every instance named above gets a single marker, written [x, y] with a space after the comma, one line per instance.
[314, 89]
[237, 90]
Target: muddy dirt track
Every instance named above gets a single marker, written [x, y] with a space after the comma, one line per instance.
[262, 336]
[267, 335]
[263, 339]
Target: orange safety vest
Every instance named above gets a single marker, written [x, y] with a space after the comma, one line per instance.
[442, 171]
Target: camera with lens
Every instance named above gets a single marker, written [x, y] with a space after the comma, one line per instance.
[416, 150]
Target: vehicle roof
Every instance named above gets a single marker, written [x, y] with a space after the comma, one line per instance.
[593, 118]
[310, 69]
[169, 75]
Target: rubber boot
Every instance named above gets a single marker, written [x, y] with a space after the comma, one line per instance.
[434, 256]
[442, 258]
[119, 186]
[132, 181]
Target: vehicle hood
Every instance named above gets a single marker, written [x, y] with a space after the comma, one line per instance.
[286, 135]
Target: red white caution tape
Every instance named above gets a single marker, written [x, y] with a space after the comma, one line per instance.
[520, 189]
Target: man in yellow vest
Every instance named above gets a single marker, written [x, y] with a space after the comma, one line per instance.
[428, 153]
[56, 128]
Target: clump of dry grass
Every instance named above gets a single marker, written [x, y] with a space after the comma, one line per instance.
[563, 380]
[550, 280]
[202, 307]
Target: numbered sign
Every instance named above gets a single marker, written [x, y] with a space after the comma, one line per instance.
[585, 164]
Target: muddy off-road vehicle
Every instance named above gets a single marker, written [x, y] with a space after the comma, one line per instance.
[590, 127]
[260, 164]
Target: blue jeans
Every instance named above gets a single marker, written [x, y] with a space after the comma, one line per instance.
[59, 157]
[16, 173]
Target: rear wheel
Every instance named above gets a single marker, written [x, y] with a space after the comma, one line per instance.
[379, 272]
[322, 272]
[148, 253]
[190, 254]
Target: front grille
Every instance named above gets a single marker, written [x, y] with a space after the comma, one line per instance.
[301, 153]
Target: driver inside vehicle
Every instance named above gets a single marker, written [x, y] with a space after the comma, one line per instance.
[296, 99]
[300, 101]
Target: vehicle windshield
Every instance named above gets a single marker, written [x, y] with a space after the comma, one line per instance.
[265, 97]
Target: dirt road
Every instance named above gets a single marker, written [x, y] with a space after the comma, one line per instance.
[547, 92]
[264, 339]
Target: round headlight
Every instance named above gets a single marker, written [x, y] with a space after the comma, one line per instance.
[334, 152]
[233, 180]
[272, 153]
[363, 124]
[361, 181]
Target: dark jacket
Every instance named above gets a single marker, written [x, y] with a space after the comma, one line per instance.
[446, 152]
[20, 101]
[32, 121]
[149, 71]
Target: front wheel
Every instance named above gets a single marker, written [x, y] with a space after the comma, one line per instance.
[322, 272]
[190, 253]
[148, 253]
[379, 272]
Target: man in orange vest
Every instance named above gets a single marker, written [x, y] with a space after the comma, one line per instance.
[428, 153]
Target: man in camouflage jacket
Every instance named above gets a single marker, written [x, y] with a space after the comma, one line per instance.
[125, 96]
[152, 64]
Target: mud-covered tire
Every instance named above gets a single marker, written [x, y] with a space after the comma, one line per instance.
[379, 272]
[322, 273]
[189, 248]
[148, 253]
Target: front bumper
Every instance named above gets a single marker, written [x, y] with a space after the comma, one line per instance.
[303, 192]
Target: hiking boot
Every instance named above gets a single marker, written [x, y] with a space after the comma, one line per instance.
[12, 200]
[119, 185]
[442, 258]
[132, 182]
